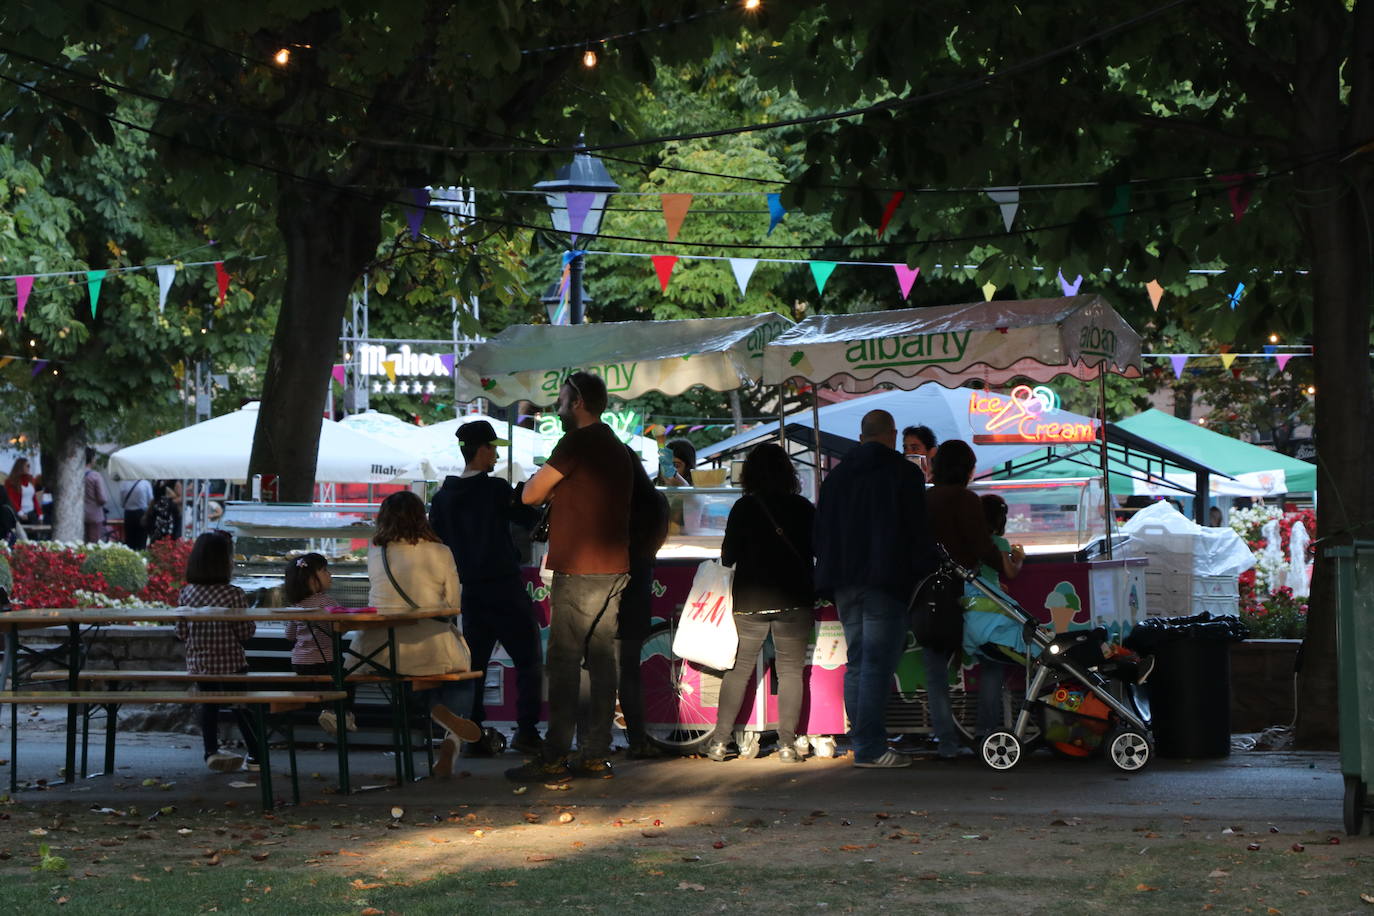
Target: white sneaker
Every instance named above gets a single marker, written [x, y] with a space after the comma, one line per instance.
[350, 722]
[224, 763]
[889, 760]
[330, 723]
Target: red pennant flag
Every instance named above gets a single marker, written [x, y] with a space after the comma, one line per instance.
[222, 279]
[663, 266]
[890, 209]
[674, 210]
[1237, 193]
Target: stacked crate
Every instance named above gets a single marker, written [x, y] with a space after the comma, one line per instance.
[1216, 595]
[1169, 576]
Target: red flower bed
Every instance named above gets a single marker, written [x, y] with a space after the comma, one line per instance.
[166, 570]
[46, 578]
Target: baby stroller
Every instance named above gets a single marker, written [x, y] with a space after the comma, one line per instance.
[1078, 700]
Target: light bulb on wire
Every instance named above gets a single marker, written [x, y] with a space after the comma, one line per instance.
[1273, 338]
[589, 58]
[751, 5]
[282, 57]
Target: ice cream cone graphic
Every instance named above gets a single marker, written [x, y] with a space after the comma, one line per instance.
[1063, 604]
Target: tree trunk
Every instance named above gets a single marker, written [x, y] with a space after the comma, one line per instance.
[330, 236]
[69, 449]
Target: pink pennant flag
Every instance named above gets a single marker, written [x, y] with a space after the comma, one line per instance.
[337, 370]
[906, 276]
[663, 266]
[447, 360]
[222, 281]
[1156, 293]
[1238, 193]
[579, 205]
[1178, 362]
[675, 208]
[23, 286]
[1282, 359]
[1070, 289]
[888, 212]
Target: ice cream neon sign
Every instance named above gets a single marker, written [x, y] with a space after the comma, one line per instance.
[1025, 416]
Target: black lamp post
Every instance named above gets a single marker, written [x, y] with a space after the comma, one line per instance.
[577, 198]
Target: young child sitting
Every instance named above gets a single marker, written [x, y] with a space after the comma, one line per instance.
[312, 647]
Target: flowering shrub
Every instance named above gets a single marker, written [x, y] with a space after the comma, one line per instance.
[1270, 612]
[166, 570]
[47, 572]
[126, 570]
[59, 574]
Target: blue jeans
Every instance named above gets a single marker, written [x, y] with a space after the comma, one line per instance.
[937, 700]
[875, 626]
[456, 696]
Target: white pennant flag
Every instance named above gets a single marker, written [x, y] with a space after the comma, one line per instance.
[1007, 200]
[744, 269]
[165, 274]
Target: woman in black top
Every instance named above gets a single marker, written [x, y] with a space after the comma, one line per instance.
[768, 542]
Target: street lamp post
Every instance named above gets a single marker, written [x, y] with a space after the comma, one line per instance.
[577, 198]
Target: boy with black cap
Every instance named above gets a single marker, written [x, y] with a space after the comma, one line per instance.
[472, 514]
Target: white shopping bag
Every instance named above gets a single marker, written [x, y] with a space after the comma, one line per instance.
[706, 630]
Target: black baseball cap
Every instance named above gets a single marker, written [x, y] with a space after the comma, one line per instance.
[478, 432]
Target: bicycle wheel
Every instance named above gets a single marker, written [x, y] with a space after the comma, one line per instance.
[675, 718]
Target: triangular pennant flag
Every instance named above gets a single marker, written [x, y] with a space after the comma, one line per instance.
[1070, 289]
[337, 370]
[579, 205]
[570, 256]
[1282, 359]
[93, 280]
[1178, 362]
[1270, 349]
[1121, 205]
[663, 266]
[1007, 200]
[416, 215]
[446, 359]
[743, 269]
[222, 281]
[1234, 298]
[1227, 359]
[5, 361]
[389, 367]
[38, 366]
[179, 371]
[165, 274]
[1156, 293]
[820, 272]
[776, 211]
[674, 209]
[988, 290]
[1238, 193]
[23, 286]
[888, 212]
[906, 276]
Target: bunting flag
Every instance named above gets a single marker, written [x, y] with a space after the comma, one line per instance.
[663, 266]
[165, 274]
[1234, 298]
[560, 313]
[5, 361]
[1178, 363]
[1156, 293]
[416, 215]
[1282, 359]
[579, 205]
[1007, 200]
[989, 289]
[776, 211]
[38, 366]
[389, 367]
[93, 280]
[1121, 205]
[1070, 289]
[675, 208]
[906, 277]
[888, 211]
[743, 269]
[337, 371]
[179, 371]
[23, 286]
[1227, 359]
[1238, 192]
[820, 272]
[222, 281]
[1270, 349]
[446, 359]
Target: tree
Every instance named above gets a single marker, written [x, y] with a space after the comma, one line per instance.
[1138, 133]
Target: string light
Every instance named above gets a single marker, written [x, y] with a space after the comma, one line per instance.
[751, 5]
[1311, 390]
[282, 57]
[589, 58]
[1273, 338]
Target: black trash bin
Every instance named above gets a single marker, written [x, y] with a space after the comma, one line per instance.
[1190, 688]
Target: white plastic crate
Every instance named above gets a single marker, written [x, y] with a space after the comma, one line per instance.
[1217, 605]
[1216, 587]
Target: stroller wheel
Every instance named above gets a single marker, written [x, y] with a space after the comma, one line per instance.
[1001, 750]
[1129, 750]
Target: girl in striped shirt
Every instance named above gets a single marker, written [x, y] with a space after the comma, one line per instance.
[312, 649]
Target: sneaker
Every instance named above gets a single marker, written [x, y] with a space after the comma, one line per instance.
[350, 723]
[330, 723]
[443, 764]
[718, 751]
[465, 729]
[224, 763]
[251, 764]
[527, 741]
[887, 761]
[788, 754]
[556, 772]
[593, 768]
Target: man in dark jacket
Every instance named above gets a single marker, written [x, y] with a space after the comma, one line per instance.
[873, 545]
[472, 514]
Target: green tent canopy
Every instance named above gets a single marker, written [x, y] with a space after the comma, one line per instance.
[1239, 459]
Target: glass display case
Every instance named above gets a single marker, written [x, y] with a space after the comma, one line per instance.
[696, 521]
[266, 535]
[1057, 516]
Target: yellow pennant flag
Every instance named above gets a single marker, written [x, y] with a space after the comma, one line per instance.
[179, 370]
[6, 361]
[1227, 359]
[988, 290]
[390, 367]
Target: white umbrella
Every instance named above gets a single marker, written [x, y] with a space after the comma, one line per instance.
[218, 449]
[528, 447]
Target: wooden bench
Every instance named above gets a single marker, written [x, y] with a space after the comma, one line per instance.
[261, 701]
[114, 675]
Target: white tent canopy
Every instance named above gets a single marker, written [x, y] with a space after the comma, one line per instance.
[528, 447]
[530, 361]
[219, 448]
[993, 342]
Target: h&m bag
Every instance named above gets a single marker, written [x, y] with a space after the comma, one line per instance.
[937, 612]
[706, 630]
[436, 645]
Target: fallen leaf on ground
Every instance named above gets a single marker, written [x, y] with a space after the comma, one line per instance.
[538, 857]
[140, 878]
[689, 886]
[1218, 873]
[505, 884]
[1367, 898]
[1145, 887]
[371, 911]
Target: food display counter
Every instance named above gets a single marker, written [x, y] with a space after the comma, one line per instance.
[266, 535]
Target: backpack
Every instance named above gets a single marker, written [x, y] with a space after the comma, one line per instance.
[937, 612]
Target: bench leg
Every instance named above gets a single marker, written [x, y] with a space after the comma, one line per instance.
[341, 715]
[264, 756]
[73, 671]
[111, 723]
[86, 713]
[399, 731]
[291, 752]
[14, 748]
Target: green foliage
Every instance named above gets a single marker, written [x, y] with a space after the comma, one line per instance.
[124, 569]
[6, 574]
